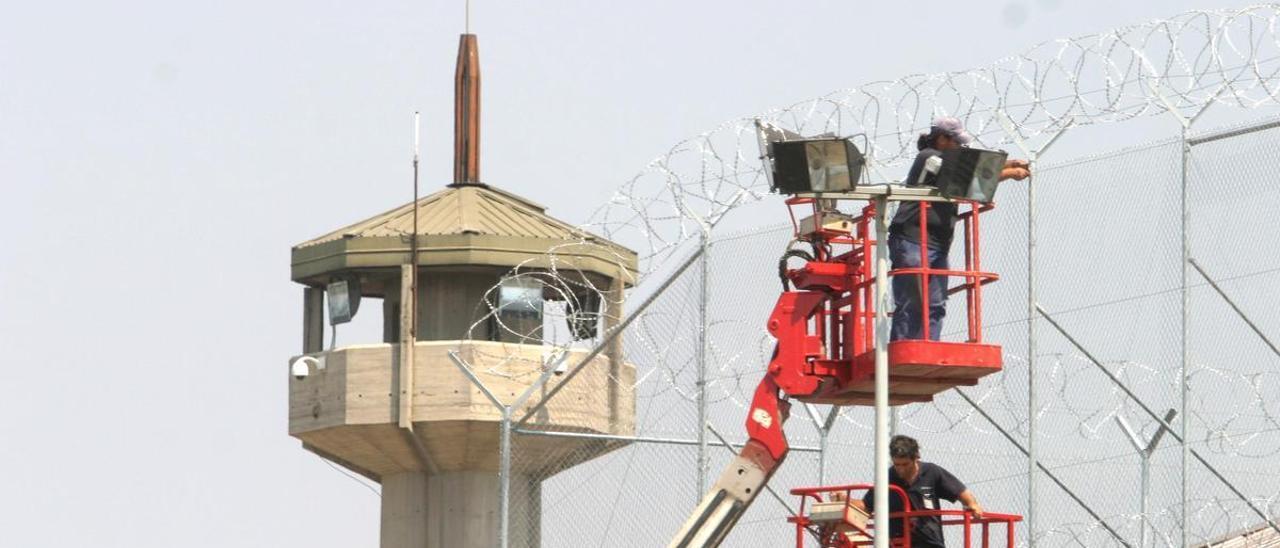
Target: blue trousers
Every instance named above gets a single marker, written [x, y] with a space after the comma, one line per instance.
[907, 319]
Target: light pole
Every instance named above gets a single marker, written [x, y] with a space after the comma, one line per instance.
[1144, 452]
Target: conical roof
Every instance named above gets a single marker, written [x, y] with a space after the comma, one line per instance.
[467, 224]
[464, 209]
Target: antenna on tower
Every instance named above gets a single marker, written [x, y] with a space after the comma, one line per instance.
[413, 237]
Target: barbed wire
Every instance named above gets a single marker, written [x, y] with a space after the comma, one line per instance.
[1181, 64]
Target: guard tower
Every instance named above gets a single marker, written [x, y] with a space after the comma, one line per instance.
[402, 412]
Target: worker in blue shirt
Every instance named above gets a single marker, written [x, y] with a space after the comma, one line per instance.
[945, 133]
[924, 483]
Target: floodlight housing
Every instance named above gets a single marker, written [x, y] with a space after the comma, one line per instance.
[796, 164]
[815, 165]
[344, 300]
[518, 310]
[971, 173]
[520, 297]
[766, 135]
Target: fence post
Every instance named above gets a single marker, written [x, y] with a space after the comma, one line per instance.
[504, 480]
[703, 341]
[1032, 403]
[1185, 143]
[825, 432]
[1185, 314]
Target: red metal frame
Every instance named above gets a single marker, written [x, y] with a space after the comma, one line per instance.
[828, 536]
[973, 275]
[825, 327]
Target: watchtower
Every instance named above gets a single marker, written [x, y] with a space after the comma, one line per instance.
[403, 412]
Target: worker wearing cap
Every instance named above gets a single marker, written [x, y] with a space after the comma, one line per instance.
[924, 483]
[945, 133]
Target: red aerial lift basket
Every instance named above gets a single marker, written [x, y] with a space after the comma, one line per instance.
[827, 514]
[825, 326]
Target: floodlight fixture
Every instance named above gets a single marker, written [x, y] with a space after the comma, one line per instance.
[795, 164]
[971, 173]
[520, 297]
[767, 134]
[344, 300]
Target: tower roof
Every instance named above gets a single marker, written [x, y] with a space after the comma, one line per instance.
[467, 224]
[463, 209]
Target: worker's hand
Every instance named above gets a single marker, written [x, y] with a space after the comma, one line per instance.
[976, 509]
[1015, 173]
[1018, 163]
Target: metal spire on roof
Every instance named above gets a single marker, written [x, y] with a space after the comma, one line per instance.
[466, 113]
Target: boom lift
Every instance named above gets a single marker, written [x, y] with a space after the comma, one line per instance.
[825, 320]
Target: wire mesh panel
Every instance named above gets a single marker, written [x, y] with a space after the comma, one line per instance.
[1234, 375]
[1110, 279]
[1110, 284]
[612, 490]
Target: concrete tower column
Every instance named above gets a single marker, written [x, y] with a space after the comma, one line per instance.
[405, 501]
[456, 509]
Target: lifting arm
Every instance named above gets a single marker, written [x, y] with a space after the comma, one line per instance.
[745, 476]
[766, 446]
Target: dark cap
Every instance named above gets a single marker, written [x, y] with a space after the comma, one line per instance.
[951, 127]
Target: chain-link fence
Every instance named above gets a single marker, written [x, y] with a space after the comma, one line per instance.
[1110, 285]
[1150, 264]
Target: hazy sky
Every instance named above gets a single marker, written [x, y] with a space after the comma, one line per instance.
[158, 159]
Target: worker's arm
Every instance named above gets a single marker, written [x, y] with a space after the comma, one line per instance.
[1015, 169]
[970, 503]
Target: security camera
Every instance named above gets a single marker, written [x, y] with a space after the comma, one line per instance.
[301, 367]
